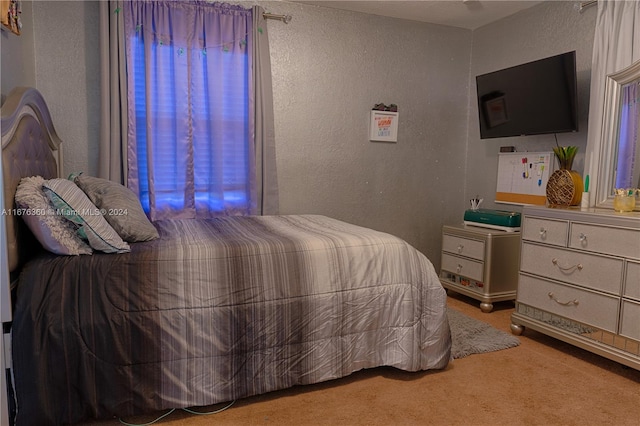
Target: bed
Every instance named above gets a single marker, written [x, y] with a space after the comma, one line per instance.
[211, 311]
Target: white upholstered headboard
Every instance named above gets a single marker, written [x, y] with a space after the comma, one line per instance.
[30, 147]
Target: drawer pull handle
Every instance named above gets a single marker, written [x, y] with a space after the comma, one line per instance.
[543, 233]
[459, 268]
[570, 302]
[567, 268]
[460, 248]
[583, 239]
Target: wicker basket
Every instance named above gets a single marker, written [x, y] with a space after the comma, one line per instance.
[564, 188]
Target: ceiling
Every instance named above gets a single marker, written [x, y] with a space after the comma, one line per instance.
[469, 14]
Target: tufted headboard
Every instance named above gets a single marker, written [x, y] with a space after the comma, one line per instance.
[30, 147]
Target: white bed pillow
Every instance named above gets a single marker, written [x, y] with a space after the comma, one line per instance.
[73, 204]
[55, 233]
[121, 206]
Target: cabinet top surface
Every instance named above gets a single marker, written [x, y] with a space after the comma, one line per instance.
[478, 230]
[592, 215]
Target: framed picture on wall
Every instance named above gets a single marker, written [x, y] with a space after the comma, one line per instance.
[384, 126]
[10, 11]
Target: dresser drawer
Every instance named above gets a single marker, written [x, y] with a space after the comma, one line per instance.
[588, 307]
[632, 280]
[605, 239]
[574, 267]
[465, 267]
[463, 246]
[630, 320]
[545, 231]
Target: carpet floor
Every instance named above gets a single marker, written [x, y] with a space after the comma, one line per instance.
[540, 382]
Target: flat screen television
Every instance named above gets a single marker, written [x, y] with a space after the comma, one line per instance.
[535, 98]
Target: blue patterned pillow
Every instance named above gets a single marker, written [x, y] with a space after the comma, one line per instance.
[73, 204]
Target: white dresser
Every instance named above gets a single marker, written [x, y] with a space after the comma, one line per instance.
[579, 279]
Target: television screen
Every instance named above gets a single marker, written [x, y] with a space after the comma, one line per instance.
[534, 98]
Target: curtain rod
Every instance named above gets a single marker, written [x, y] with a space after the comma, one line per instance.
[586, 4]
[283, 18]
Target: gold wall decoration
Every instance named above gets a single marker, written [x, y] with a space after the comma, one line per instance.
[10, 11]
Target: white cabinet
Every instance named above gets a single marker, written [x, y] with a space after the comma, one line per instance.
[579, 279]
[480, 263]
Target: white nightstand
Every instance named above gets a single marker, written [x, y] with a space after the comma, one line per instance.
[481, 263]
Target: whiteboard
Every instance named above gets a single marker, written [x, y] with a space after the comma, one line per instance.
[523, 176]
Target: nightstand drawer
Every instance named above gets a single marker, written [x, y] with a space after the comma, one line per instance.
[630, 320]
[545, 231]
[584, 269]
[465, 267]
[463, 246]
[632, 281]
[588, 307]
[605, 239]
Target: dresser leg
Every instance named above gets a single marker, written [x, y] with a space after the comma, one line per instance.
[486, 307]
[517, 329]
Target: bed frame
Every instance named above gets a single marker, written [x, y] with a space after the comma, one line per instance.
[30, 147]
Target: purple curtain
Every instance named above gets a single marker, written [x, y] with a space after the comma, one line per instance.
[190, 144]
[627, 167]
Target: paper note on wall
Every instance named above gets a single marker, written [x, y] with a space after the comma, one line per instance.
[523, 177]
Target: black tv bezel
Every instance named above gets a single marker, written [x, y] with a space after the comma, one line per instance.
[573, 99]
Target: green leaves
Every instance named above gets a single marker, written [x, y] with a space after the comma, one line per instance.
[565, 155]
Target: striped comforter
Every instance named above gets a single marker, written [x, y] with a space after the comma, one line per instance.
[220, 309]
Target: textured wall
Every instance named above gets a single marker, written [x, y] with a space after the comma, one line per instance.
[329, 69]
[68, 76]
[544, 30]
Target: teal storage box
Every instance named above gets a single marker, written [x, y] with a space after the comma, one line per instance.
[496, 219]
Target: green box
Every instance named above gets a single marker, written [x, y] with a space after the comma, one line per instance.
[499, 219]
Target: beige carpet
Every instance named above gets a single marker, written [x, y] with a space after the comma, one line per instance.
[540, 382]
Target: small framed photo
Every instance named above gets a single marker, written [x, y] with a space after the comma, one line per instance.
[384, 126]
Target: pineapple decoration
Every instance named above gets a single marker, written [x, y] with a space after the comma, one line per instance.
[565, 185]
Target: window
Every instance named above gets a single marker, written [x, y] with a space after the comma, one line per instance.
[190, 142]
